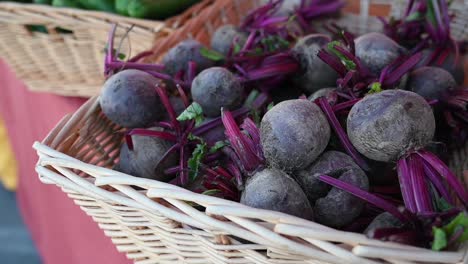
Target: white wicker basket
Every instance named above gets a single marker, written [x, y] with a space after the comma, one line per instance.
[156, 224]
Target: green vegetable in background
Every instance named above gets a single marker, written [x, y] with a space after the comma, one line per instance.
[150, 9]
[21, 1]
[121, 6]
[157, 9]
[100, 5]
[66, 3]
[43, 2]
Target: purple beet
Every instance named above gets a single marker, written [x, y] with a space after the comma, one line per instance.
[293, 134]
[333, 207]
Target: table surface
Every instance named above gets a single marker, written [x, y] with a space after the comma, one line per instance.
[60, 230]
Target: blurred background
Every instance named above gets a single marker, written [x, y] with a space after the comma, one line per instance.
[17, 246]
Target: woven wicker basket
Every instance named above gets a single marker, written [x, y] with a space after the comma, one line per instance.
[69, 63]
[157, 223]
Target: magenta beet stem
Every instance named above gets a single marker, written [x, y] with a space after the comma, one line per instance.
[110, 46]
[349, 39]
[216, 180]
[250, 41]
[183, 176]
[273, 20]
[349, 56]
[257, 103]
[366, 196]
[419, 184]
[396, 73]
[242, 145]
[172, 170]
[140, 56]
[343, 82]
[124, 65]
[169, 108]
[110, 62]
[273, 70]
[237, 174]
[224, 173]
[168, 152]
[192, 71]
[405, 184]
[183, 96]
[175, 80]
[437, 182]
[333, 62]
[164, 124]
[328, 111]
[149, 133]
[217, 121]
[345, 105]
[315, 10]
[446, 173]
[252, 130]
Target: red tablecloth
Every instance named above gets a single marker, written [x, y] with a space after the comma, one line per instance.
[61, 231]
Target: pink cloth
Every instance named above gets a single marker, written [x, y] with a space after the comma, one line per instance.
[60, 230]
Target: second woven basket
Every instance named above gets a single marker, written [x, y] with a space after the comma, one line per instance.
[61, 50]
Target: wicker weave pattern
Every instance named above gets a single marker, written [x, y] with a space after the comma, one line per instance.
[67, 64]
[157, 223]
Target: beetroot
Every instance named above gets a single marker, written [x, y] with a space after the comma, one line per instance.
[273, 189]
[385, 125]
[396, 125]
[430, 82]
[293, 134]
[315, 73]
[129, 99]
[223, 39]
[145, 160]
[383, 220]
[178, 57]
[217, 88]
[445, 61]
[376, 51]
[333, 207]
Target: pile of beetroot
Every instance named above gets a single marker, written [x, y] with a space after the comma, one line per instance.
[348, 131]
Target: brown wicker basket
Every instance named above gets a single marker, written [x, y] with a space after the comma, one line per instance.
[68, 63]
[157, 223]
